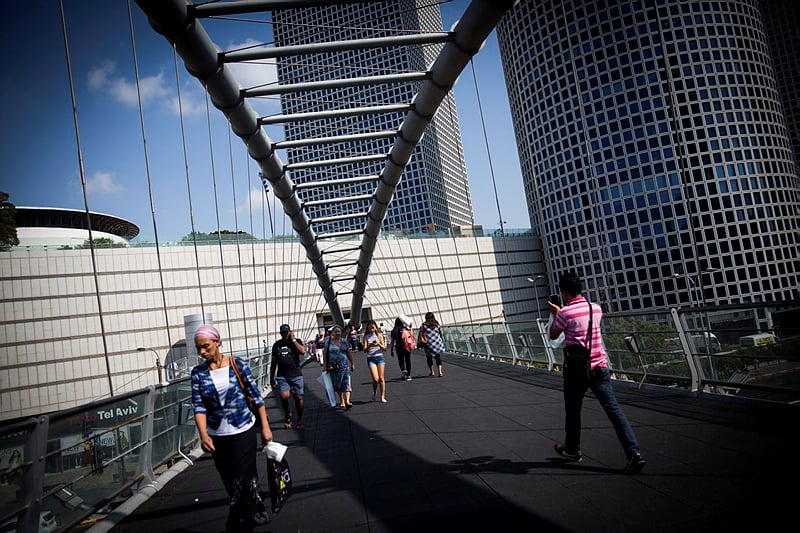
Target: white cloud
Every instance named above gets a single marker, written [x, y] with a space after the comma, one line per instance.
[103, 183]
[153, 88]
[256, 73]
[261, 207]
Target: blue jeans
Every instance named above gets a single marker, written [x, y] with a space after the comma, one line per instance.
[575, 386]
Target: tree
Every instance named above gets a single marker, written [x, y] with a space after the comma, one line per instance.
[101, 242]
[224, 235]
[8, 227]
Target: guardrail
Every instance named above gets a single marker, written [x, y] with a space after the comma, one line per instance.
[73, 467]
[70, 468]
[697, 348]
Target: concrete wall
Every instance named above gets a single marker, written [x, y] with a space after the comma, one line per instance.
[66, 325]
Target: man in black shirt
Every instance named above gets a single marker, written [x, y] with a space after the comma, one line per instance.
[288, 380]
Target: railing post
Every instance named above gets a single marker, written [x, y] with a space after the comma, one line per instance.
[146, 455]
[694, 369]
[544, 333]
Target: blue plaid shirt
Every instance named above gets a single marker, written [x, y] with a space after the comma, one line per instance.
[205, 398]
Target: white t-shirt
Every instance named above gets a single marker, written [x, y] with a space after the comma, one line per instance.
[221, 379]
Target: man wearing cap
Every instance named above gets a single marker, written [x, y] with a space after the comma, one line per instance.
[288, 380]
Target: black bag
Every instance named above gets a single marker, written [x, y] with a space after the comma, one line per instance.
[577, 358]
[577, 361]
[280, 482]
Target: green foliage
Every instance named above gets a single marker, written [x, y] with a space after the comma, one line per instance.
[101, 242]
[224, 235]
[8, 228]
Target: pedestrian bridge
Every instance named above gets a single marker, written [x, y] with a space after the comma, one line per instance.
[471, 450]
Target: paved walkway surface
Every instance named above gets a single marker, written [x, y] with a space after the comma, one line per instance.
[473, 452]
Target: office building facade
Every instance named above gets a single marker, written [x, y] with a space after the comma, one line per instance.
[434, 190]
[654, 149]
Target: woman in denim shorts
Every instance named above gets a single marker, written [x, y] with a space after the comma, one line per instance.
[374, 346]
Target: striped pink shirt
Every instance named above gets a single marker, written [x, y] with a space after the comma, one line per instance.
[573, 320]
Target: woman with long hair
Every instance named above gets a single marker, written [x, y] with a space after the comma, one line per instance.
[402, 327]
[374, 346]
[434, 345]
[339, 364]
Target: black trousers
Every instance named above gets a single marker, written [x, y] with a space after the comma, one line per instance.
[235, 460]
[404, 359]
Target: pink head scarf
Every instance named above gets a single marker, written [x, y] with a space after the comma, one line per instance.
[208, 331]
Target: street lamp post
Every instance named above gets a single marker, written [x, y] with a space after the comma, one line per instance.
[533, 280]
[159, 368]
[690, 287]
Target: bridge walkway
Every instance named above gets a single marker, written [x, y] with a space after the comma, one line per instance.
[472, 451]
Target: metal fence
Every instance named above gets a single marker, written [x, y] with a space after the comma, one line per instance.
[744, 350]
[66, 469]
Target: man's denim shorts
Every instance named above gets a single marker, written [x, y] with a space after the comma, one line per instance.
[294, 384]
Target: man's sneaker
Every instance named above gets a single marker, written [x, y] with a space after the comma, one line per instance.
[403, 375]
[635, 463]
[408, 377]
[562, 451]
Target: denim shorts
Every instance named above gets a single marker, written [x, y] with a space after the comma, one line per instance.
[295, 384]
[377, 359]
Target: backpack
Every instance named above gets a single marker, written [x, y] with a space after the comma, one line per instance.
[408, 340]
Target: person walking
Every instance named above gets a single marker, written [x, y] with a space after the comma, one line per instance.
[339, 364]
[374, 346]
[352, 339]
[586, 367]
[319, 345]
[286, 376]
[402, 328]
[227, 427]
[430, 334]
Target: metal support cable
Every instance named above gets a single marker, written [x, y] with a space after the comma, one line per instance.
[82, 169]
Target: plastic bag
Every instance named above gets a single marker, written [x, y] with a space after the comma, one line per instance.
[325, 380]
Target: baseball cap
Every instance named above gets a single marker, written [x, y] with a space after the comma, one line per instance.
[285, 328]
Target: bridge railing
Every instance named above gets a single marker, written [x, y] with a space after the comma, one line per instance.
[79, 464]
[746, 350]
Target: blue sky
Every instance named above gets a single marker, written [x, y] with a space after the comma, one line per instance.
[40, 149]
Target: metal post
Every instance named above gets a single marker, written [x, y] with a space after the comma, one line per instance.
[533, 280]
[159, 368]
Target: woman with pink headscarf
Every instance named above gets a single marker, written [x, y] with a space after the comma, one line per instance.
[228, 428]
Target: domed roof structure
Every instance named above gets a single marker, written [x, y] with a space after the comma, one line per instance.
[56, 226]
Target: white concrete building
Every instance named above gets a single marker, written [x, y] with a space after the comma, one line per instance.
[69, 332]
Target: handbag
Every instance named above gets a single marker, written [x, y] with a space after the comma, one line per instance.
[251, 403]
[577, 358]
[279, 474]
[422, 340]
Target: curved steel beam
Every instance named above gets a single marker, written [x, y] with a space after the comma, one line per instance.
[175, 21]
[471, 31]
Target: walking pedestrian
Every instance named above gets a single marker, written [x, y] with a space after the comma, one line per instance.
[319, 345]
[586, 367]
[401, 330]
[339, 363]
[430, 333]
[352, 339]
[374, 346]
[286, 376]
[227, 427]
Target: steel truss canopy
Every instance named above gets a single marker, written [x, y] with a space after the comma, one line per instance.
[179, 21]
